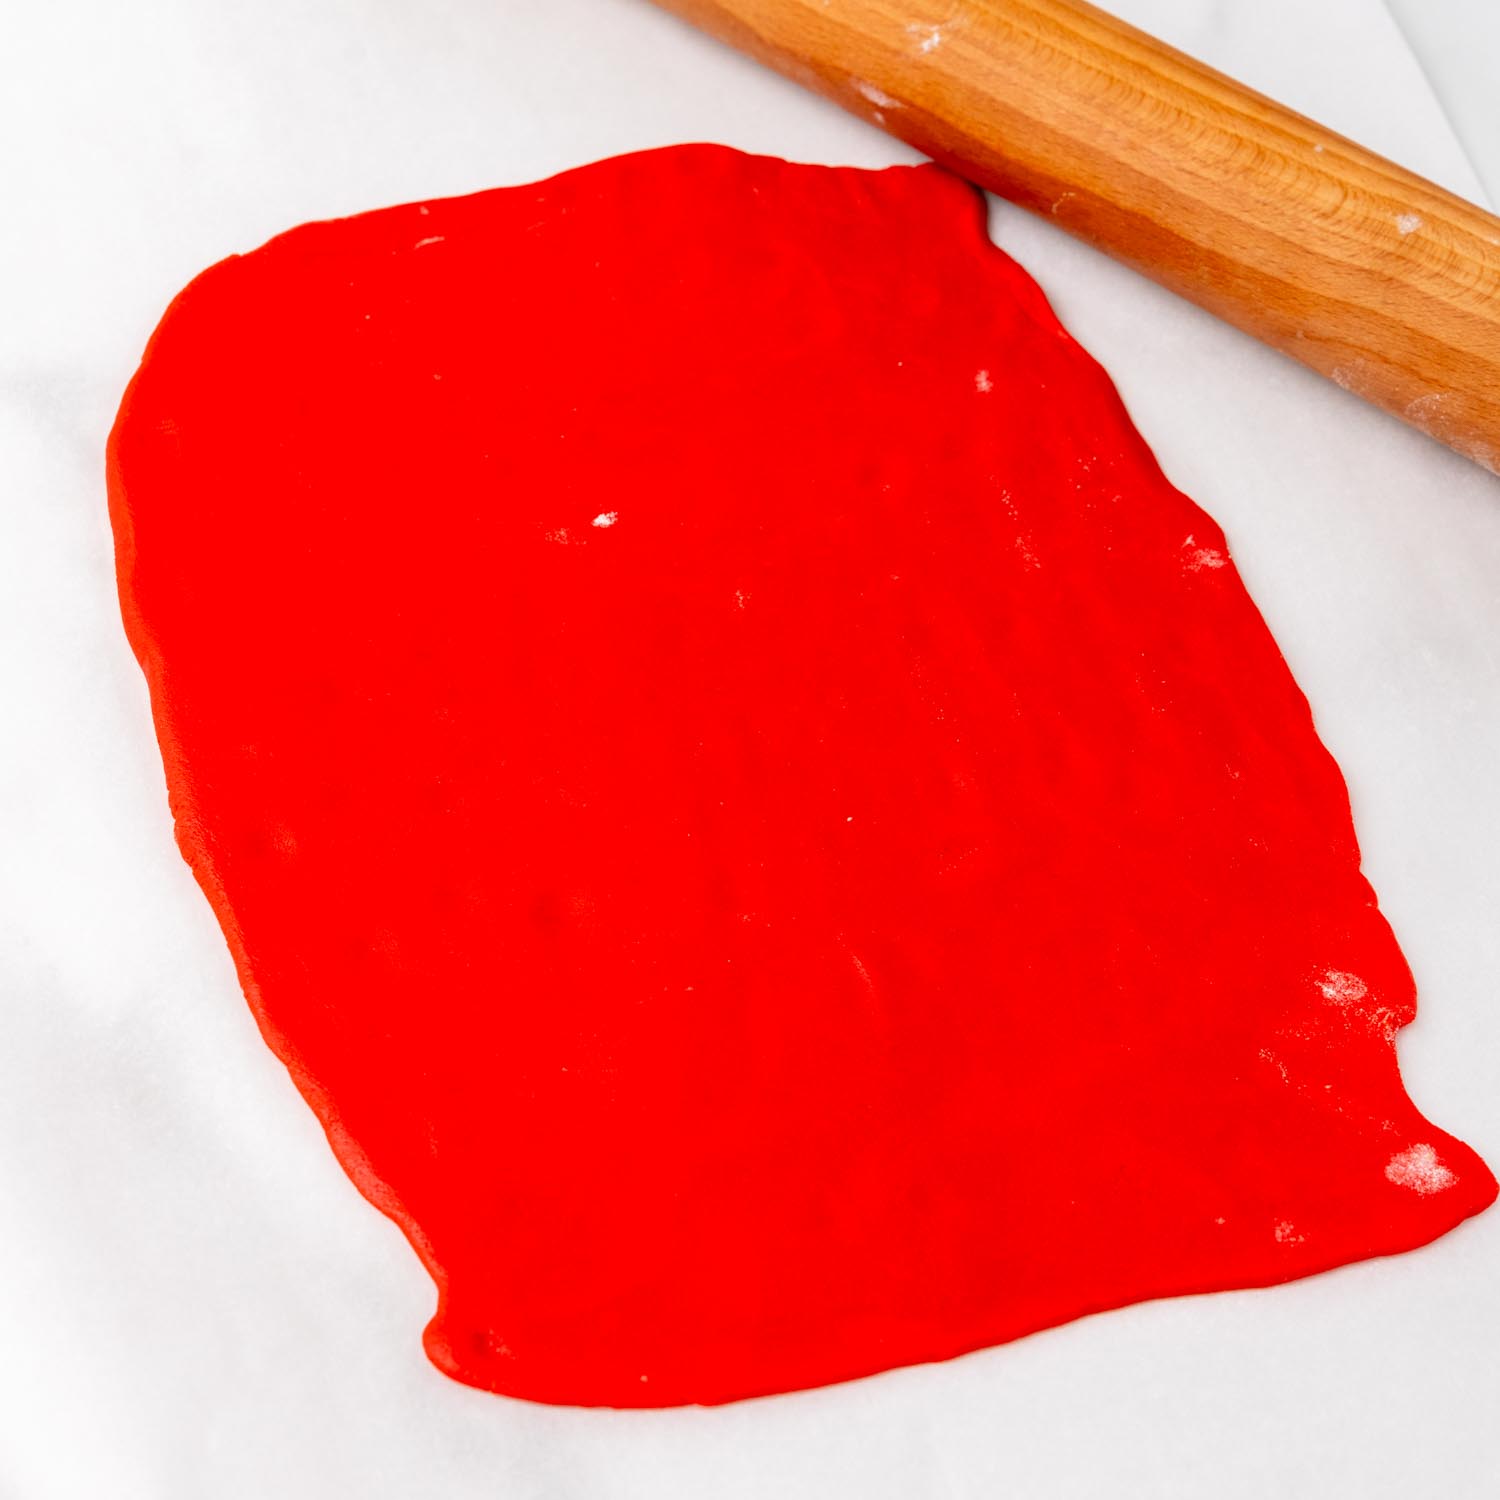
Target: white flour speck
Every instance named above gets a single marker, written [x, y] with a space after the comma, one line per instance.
[1198, 558]
[605, 518]
[982, 381]
[740, 596]
[432, 239]
[1427, 412]
[560, 536]
[1419, 1169]
[1266, 1055]
[1286, 1233]
[1349, 992]
[864, 973]
[1408, 223]
[929, 38]
[1342, 988]
[874, 95]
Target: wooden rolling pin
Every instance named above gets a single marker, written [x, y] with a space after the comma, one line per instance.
[1381, 281]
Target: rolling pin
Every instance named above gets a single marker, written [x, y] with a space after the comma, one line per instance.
[1374, 277]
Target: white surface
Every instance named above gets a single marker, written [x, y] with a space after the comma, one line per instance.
[1458, 43]
[193, 1300]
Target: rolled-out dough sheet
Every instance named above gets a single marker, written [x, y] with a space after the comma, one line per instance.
[774, 841]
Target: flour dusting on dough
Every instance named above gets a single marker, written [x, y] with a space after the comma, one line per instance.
[1419, 1169]
[864, 973]
[1198, 558]
[1342, 988]
[1348, 992]
[1266, 1055]
[605, 519]
[982, 381]
[1408, 224]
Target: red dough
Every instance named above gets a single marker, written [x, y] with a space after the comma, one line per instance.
[773, 839]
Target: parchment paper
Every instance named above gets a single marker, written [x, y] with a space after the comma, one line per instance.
[193, 1299]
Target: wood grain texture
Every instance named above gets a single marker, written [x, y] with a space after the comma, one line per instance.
[1376, 278]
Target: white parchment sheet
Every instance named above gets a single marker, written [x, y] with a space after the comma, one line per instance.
[194, 1301]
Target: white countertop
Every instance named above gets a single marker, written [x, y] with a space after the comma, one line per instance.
[1458, 44]
[193, 1299]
